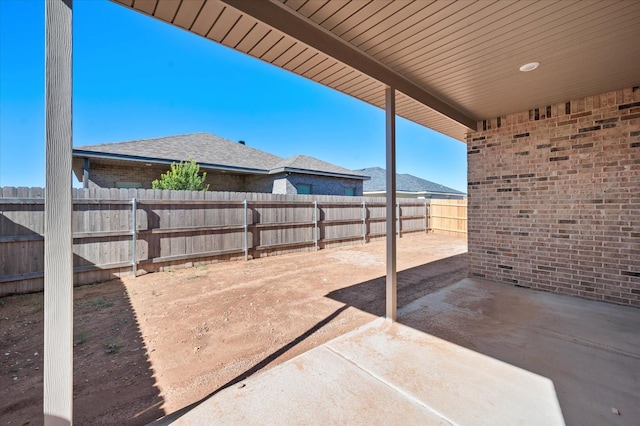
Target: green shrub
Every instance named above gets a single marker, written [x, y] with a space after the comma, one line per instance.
[183, 177]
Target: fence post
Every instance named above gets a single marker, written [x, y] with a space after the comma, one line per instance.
[246, 230]
[134, 236]
[426, 217]
[364, 222]
[398, 211]
[315, 224]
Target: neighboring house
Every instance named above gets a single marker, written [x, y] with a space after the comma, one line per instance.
[407, 186]
[230, 166]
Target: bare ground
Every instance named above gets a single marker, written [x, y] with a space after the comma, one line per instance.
[148, 346]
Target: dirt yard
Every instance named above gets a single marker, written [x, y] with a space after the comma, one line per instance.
[148, 346]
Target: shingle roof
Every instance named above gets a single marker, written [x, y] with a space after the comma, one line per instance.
[306, 163]
[210, 151]
[204, 148]
[404, 182]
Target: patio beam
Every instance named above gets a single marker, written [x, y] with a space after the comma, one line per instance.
[58, 244]
[287, 21]
[392, 279]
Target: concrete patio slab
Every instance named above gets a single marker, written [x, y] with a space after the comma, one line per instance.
[590, 350]
[385, 373]
[473, 353]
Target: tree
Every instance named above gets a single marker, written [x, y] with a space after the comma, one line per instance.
[184, 176]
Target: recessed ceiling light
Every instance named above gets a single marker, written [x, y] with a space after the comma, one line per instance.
[530, 66]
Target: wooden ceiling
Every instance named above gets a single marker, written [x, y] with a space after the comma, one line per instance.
[453, 62]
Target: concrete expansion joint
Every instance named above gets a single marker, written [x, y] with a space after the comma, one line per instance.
[401, 391]
[579, 341]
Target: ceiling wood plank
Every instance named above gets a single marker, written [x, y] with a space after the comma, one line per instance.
[207, 17]
[146, 6]
[373, 90]
[353, 82]
[413, 26]
[582, 37]
[421, 36]
[224, 24]
[326, 11]
[360, 17]
[284, 20]
[345, 12]
[166, 10]
[239, 31]
[389, 9]
[558, 27]
[316, 59]
[289, 54]
[366, 90]
[301, 58]
[355, 85]
[335, 68]
[275, 50]
[342, 78]
[320, 67]
[311, 7]
[478, 27]
[251, 40]
[397, 22]
[187, 13]
[295, 4]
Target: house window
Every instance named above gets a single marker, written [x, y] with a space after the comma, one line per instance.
[128, 185]
[303, 188]
[350, 192]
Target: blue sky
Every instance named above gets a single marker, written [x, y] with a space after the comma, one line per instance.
[137, 78]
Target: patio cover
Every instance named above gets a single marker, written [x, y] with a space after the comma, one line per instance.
[453, 63]
[444, 64]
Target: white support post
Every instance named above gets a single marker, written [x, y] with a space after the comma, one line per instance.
[364, 222]
[246, 230]
[391, 279]
[134, 236]
[316, 231]
[58, 242]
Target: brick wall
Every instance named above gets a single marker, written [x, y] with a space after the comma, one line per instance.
[108, 175]
[554, 198]
[322, 184]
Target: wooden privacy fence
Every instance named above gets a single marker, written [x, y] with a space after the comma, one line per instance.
[448, 216]
[123, 231]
